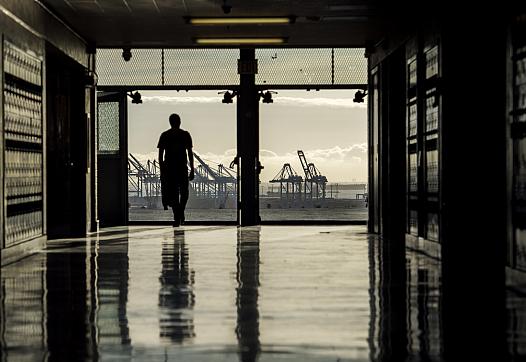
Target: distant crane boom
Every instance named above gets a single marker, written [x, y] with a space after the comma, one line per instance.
[304, 165]
[315, 182]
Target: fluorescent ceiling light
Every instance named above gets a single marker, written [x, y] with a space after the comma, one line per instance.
[238, 41]
[240, 21]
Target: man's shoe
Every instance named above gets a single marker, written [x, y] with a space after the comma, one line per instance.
[176, 223]
[182, 218]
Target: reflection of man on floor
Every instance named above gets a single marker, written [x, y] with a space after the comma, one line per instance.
[174, 146]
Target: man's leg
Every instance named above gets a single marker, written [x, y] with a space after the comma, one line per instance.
[176, 204]
[183, 189]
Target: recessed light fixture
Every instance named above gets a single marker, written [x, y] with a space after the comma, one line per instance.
[241, 21]
[239, 41]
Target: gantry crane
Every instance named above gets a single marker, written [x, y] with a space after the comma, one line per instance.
[289, 185]
[219, 184]
[144, 182]
[315, 183]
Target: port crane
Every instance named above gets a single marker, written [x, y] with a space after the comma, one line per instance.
[289, 185]
[315, 183]
[213, 183]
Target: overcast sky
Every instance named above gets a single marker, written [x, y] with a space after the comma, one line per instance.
[326, 125]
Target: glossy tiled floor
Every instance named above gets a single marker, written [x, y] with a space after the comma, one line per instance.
[215, 294]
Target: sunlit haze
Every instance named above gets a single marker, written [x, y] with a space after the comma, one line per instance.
[326, 125]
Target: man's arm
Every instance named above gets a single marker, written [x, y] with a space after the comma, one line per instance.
[161, 151]
[160, 146]
[191, 159]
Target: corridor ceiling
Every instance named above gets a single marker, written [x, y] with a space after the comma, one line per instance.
[161, 23]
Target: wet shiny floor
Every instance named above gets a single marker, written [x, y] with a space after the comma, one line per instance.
[271, 293]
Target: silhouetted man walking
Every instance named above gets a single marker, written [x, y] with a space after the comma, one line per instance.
[174, 146]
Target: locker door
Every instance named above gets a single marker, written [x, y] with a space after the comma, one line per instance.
[518, 136]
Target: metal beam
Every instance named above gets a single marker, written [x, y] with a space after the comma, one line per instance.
[248, 142]
[259, 87]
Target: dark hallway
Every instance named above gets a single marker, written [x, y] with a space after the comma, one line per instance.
[436, 271]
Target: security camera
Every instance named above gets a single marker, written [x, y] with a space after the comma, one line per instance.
[136, 97]
[226, 8]
[359, 96]
[126, 54]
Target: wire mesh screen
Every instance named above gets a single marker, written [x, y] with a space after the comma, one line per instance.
[108, 127]
[144, 67]
[201, 66]
[218, 67]
[294, 66]
[350, 66]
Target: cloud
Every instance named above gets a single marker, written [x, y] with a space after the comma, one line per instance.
[345, 103]
[144, 157]
[267, 153]
[318, 102]
[358, 150]
[180, 100]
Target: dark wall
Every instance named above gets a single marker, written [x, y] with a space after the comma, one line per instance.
[469, 231]
[473, 222]
[28, 26]
[67, 150]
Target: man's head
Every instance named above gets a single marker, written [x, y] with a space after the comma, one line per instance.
[175, 120]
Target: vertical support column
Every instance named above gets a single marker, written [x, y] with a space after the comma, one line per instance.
[393, 120]
[391, 247]
[92, 146]
[374, 152]
[474, 186]
[248, 139]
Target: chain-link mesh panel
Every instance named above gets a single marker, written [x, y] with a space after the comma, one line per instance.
[201, 66]
[144, 67]
[294, 66]
[108, 127]
[218, 67]
[350, 66]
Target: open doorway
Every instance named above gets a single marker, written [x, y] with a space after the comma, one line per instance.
[314, 150]
[212, 127]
